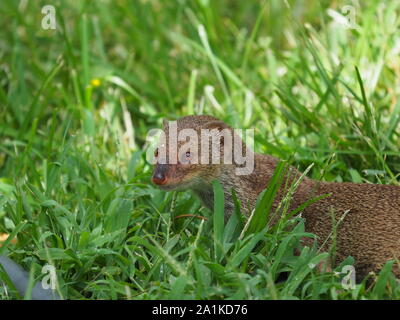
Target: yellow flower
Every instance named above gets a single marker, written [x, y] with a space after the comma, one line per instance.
[4, 236]
[95, 82]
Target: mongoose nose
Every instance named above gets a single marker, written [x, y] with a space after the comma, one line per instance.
[159, 179]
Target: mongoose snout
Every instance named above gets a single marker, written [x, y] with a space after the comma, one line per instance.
[368, 215]
[160, 174]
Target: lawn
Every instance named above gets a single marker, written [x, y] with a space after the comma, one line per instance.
[319, 81]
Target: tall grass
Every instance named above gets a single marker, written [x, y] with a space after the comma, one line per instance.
[77, 102]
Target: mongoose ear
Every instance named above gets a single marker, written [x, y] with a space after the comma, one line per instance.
[219, 125]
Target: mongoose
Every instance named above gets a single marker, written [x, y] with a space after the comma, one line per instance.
[370, 213]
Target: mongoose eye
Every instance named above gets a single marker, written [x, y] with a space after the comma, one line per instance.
[186, 157]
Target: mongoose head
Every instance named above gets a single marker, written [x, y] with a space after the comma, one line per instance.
[190, 155]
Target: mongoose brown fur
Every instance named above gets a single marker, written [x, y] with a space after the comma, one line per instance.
[370, 213]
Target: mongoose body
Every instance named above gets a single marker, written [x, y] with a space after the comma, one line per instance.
[369, 214]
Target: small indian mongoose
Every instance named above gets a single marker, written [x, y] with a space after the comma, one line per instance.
[370, 227]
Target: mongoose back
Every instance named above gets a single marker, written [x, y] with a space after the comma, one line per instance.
[369, 214]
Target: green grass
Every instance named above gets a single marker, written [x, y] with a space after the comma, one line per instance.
[74, 184]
